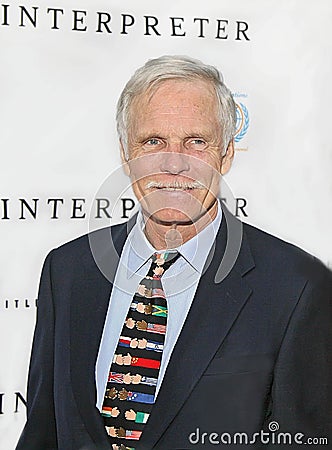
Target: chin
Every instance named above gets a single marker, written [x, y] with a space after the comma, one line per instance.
[169, 216]
[172, 206]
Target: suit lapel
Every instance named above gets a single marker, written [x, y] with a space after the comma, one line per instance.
[211, 316]
[92, 287]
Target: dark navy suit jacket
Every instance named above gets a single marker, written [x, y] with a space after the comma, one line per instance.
[255, 348]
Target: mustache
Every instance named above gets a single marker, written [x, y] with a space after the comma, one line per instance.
[185, 185]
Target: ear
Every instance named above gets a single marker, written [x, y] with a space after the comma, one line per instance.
[124, 159]
[227, 159]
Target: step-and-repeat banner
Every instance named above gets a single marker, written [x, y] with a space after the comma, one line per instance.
[63, 65]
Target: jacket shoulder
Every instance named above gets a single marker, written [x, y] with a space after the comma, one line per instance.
[275, 254]
[83, 247]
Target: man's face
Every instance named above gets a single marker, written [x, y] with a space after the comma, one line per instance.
[175, 148]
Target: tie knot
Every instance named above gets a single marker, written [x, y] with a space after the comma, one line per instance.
[161, 261]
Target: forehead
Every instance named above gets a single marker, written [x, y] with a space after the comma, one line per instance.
[177, 95]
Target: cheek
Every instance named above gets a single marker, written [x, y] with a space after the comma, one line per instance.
[206, 169]
[139, 170]
[142, 167]
[214, 159]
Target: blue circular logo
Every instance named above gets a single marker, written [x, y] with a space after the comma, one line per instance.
[242, 121]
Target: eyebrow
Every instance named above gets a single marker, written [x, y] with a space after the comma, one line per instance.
[146, 137]
[192, 134]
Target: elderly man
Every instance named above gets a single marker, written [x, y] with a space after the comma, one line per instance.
[186, 329]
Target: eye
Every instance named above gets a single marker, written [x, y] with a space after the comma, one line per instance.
[196, 144]
[153, 142]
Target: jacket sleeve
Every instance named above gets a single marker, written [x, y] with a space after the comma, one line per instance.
[39, 432]
[302, 386]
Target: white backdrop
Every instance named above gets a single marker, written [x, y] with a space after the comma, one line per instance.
[60, 80]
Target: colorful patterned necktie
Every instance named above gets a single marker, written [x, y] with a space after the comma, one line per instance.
[132, 380]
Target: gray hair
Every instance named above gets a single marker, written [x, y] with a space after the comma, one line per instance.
[168, 67]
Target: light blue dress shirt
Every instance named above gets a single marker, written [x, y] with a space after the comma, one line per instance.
[179, 282]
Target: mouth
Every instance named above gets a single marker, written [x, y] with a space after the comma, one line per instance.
[173, 189]
[175, 186]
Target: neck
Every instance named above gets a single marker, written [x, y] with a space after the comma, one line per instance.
[170, 235]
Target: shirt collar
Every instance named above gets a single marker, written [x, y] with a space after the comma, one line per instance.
[194, 251]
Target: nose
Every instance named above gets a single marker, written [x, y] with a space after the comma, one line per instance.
[174, 160]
